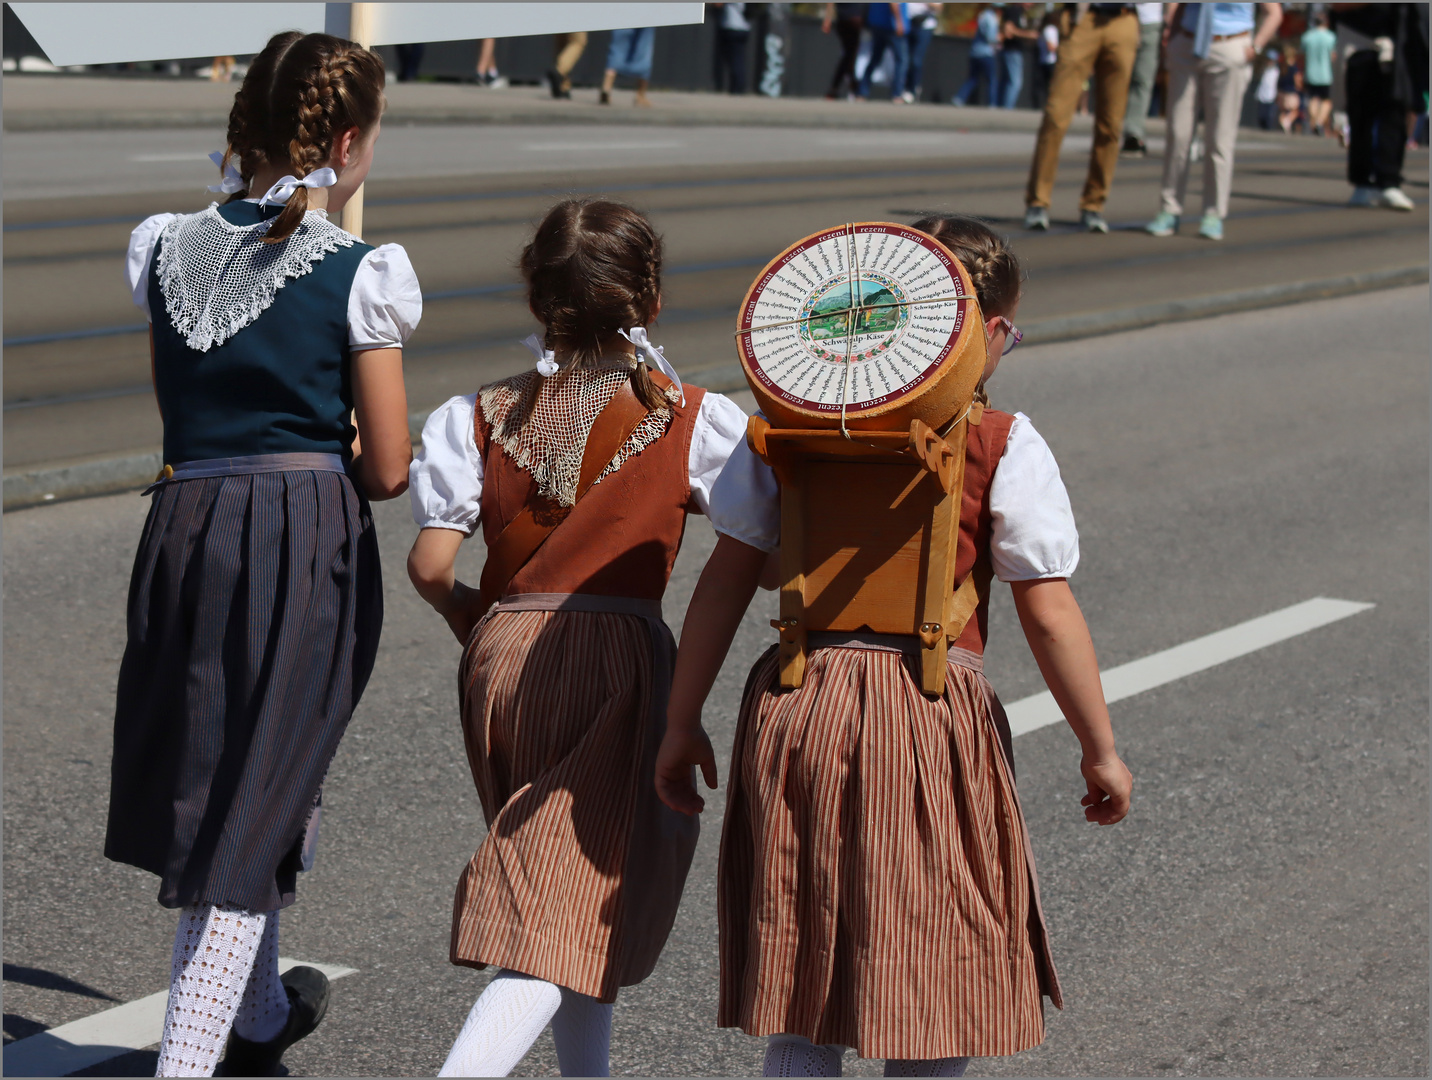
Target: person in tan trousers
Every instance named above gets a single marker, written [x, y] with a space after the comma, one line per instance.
[1102, 42]
[568, 49]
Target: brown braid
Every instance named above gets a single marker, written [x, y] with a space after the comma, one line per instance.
[992, 265]
[593, 268]
[300, 93]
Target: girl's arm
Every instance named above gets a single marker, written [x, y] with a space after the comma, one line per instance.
[154, 375]
[1059, 638]
[383, 450]
[722, 595]
[430, 568]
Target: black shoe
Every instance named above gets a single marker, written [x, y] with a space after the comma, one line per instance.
[555, 84]
[1133, 147]
[307, 990]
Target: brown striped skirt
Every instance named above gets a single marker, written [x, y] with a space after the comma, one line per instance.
[255, 607]
[876, 885]
[580, 875]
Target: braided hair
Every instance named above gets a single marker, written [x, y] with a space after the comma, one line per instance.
[593, 268]
[993, 266]
[300, 93]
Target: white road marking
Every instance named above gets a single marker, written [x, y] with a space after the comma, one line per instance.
[570, 147]
[1126, 680]
[105, 1035]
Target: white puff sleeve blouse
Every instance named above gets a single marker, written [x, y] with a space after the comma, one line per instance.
[1033, 531]
[385, 302]
[445, 478]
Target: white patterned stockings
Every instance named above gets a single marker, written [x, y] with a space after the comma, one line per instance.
[512, 1012]
[225, 969]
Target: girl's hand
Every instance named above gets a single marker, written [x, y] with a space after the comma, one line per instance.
[463, 611]
[685, 745]
[1110, 787]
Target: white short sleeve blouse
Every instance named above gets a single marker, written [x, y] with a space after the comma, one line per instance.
[445, 478]
[1033, 531]
[385, 302]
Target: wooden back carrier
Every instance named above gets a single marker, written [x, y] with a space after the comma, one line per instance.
[870, 525]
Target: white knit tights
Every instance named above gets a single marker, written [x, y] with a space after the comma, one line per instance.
[509, 1016]
[795, 1055]
[216, 950]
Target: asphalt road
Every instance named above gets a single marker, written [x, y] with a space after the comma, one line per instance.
[77, 365]
[1262, 912]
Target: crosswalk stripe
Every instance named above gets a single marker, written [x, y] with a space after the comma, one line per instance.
[104, 1035]
[1126, 680]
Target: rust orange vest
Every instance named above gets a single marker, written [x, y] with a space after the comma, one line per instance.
[984, 446]
[622, 537]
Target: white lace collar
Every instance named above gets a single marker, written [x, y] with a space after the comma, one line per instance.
[218, 277]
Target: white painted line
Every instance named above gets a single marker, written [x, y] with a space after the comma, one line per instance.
[1126, 680]
[192, 156]
[566, 147]
[105, 1035]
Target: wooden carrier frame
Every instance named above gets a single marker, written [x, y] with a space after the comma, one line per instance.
[879, 555]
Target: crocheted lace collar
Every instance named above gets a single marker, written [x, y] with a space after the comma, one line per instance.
[217, 278]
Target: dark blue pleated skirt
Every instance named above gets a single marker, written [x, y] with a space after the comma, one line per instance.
[255, 608]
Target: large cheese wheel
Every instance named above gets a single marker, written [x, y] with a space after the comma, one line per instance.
[873, 321]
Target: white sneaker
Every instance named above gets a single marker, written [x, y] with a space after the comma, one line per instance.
[1394, 199]
[908, 98]
[1362, 195]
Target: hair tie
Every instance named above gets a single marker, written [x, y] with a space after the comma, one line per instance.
[233, 181]
[280, 193]
[654, 355]
[546, 359]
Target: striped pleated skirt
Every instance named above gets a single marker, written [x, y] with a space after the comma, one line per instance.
[255, 607]
[876, 885]
[580, 875]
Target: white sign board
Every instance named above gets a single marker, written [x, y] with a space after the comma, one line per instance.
[123, 33]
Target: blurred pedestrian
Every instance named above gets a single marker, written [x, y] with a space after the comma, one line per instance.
[1267, 93]
[1017, 33]
[1317, 47]
[847, 19]
[1046, 54]
[983, 50]
[629, 54]
[1384, 80]
[1210, 50]
[1102, 43]
[733, 36]
[410, 59]
[1290, 89]
[567, 50]
[922, 20]
[1141, 85]
[222, 70]
[487, 74]
[887, 34]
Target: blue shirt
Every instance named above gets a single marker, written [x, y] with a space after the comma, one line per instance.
[880, 17]
[1227, 18]
[986, 34]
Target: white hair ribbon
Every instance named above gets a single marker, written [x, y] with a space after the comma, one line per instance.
[232, 180]
[279, 194]
[654, 355]
[546, 359]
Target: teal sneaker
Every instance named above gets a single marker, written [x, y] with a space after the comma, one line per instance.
[1211, 227]
[1165, 224]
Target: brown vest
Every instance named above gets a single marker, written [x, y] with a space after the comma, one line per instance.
[622, 537]
[983, 449]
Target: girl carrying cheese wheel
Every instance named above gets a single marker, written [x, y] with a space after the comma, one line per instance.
[876, 887]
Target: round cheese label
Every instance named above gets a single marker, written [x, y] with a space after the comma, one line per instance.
[853, 318]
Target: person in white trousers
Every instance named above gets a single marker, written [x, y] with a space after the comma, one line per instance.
[1210, 50]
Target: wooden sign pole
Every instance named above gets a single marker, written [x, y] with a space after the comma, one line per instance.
[360, 31]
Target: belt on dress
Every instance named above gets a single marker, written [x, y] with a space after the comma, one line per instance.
[246, 466]
[901, 643]
[610, 605]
